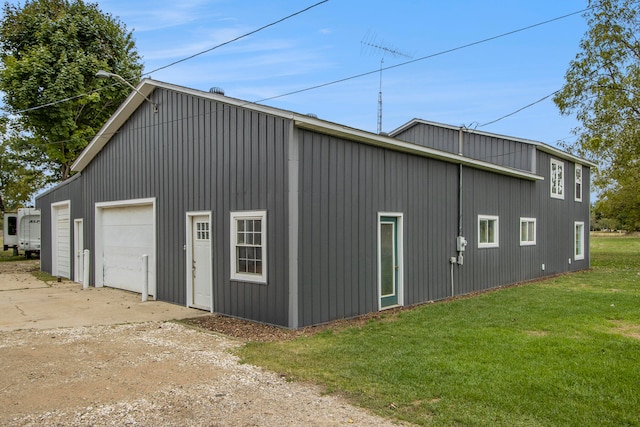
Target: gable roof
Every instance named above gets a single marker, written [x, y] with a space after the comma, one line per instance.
[147, 86]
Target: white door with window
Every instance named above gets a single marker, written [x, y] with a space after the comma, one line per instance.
[199, 261]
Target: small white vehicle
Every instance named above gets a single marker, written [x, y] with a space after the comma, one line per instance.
[22, 231]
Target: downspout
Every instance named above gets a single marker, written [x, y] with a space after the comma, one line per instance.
[460, 187]
[461, 242]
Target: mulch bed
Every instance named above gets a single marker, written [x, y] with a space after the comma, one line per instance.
[253, 331]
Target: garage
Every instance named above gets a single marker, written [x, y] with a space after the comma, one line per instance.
[125, 231]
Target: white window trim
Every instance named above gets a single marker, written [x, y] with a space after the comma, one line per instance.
[535, 232]
[497, 240]
[247, 277]
[578, 195]
[577, 256]
[560, 164]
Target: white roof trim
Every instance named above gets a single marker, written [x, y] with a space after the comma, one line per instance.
[540, 145]
[147, 86]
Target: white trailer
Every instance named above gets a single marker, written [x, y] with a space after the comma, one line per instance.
[22, 231]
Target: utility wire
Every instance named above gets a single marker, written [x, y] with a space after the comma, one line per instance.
[71, 98]
[368, 72]
[236, 39]
[425, 57]
[520, 109]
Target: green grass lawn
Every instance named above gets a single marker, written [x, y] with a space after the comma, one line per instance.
[562, 352]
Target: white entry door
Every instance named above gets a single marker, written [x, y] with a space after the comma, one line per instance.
[199, 261]
[78, 250]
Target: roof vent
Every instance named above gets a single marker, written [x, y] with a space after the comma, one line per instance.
[315, 116]
[217, 90]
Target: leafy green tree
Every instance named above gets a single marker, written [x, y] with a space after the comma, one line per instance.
[50, 50]
[18, 180]
[603, 90]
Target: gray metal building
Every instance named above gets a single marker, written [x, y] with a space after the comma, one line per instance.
[287, 219]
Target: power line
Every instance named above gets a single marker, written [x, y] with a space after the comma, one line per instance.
[520, 109]
[236, 39]
[71, 98]
[425, 57]
[377, 70]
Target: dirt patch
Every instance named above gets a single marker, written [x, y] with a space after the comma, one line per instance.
[627, 329]
[14, 267]
[151, 374]
[537, 333]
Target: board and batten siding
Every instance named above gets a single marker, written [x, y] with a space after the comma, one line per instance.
[486, 193]
[492, 149]
[343, 186]
[197, 154]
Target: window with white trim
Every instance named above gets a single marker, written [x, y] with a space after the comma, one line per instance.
[487, 231]
[557, 179]
[527, 231]
[578, 182]
[578, 244]
[249, 246]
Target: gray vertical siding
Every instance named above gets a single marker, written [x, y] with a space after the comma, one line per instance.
[344, 185]
[71, 190]
[497, 150]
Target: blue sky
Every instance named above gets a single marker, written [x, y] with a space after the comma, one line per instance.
[467, 87]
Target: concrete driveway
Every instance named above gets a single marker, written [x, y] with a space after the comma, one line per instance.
[29, 303]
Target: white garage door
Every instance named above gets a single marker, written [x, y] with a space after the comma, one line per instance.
[62, 241]
[127, 233]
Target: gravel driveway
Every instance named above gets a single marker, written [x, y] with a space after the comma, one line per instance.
[151, 374]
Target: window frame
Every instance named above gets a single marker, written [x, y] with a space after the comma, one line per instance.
[578, 256]
[577, 182]
[245, 276]
[535, 232]
[496, 242]
[554, 178]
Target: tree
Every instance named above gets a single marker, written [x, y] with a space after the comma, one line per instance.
[50, 51]
[18, 181]
[603, 90]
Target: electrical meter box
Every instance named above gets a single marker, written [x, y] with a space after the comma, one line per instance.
[461, 243]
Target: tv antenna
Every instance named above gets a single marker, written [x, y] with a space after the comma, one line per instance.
[370, 43]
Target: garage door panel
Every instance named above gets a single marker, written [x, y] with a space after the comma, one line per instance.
[127, 233]
[132, 215]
